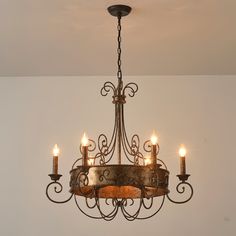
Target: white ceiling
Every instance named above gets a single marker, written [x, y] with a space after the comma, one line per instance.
[78, 37]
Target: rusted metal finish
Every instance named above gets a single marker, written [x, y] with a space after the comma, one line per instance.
[119, 181]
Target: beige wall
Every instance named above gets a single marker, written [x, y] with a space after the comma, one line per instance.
[37, 112]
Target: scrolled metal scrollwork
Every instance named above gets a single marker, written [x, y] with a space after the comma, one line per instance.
[91, 146]
[131, 216]
[57, 189]
[182, 190]
[88, 204]
[103, 144]
[112, 214]
[107, 87]
[85, 213]
[150, 204]
[135, 143]
[104, 175]
[132, 87]
[157, 210]
[147, 147]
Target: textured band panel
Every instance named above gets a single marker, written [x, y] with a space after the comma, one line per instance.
[119, 181]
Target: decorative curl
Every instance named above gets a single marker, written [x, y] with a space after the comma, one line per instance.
[132, 87]
[103, 144]
[91, 146]
[110, 216]
[86, 214]
[57, 189]
[135, 143]
[150, 204]
[147, 146]
[104, 176]
[107, 87]
[89, 205]
[182, 191]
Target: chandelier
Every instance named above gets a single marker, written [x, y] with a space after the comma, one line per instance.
[137, 184]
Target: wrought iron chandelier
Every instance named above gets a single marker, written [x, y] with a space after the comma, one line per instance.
[138, 189]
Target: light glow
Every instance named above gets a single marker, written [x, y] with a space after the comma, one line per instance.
[147, 161]
[90, 161]
[154, 139]
[84, 140]
[56, 150]
[182, 151]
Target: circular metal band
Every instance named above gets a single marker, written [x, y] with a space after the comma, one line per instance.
[119, 181]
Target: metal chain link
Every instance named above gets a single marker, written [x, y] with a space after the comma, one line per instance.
[119, 72]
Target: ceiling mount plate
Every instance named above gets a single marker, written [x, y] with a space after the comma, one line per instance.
[122, 10]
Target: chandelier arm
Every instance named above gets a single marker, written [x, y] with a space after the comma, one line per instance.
[119, 129]
[86, 214]
[109, 149]
[124, 131]
[114, 132]
[114, 136]
[56, 191]
[126, 144]
[182, 191]
[126, 137]
[126, 152]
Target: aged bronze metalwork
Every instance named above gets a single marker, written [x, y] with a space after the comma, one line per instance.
[105, 185]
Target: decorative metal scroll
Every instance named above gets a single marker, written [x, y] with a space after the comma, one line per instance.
[57, 187]
[181, 189]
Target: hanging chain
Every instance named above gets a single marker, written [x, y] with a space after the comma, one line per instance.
[119, 72]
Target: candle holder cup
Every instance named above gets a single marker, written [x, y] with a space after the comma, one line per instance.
[183, 177]
[55, 177]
